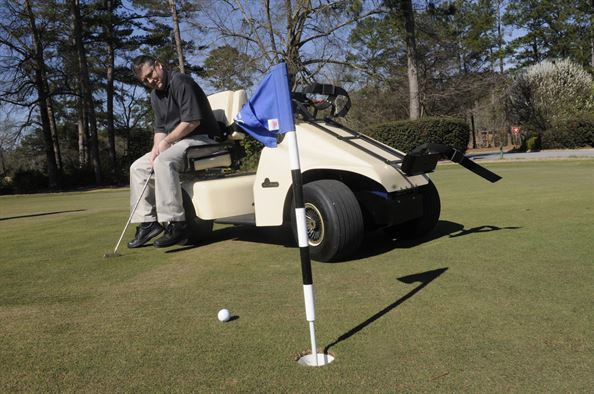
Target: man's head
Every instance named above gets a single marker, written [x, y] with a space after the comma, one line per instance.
[149, 71]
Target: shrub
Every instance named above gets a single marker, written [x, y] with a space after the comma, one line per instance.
[549, 91]
[29, 181]
[405, 135]
[6, 186]
[533, 143]
[141, 141]
[576, 132]
[73, 177]
[252, 149]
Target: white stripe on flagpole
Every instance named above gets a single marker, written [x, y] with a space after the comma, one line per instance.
[310, 316]
[301, 227]
[314, 346]
[293, 150]
[308, 295]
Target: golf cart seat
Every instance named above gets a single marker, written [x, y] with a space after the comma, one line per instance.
[225, 105]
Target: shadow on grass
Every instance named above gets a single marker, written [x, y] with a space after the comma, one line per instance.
[375, 243]
[266, 235]
[423, 277]
[379, 242]
[41, 214]
[481, 229]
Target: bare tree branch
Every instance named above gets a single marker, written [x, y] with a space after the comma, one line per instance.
[340, 26]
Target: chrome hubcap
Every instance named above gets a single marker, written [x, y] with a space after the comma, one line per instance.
[314, 225]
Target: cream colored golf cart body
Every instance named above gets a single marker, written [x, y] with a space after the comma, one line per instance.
[330, 156]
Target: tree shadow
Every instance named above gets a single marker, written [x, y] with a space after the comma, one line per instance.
[41, 214]
[481, 229]
[424, 277]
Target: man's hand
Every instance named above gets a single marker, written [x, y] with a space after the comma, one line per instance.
[154, 154]
[157, 148]
[163, 145]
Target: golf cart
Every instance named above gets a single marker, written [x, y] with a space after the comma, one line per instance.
[351, 182]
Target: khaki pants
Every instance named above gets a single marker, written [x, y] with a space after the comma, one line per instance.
[162, 200]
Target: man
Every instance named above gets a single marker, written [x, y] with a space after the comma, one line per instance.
[183, 118]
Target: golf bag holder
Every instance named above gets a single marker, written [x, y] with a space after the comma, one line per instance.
[309, 108]
[423, 159]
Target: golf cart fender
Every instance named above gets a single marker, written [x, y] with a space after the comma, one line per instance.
[319, 151]
[219, 198]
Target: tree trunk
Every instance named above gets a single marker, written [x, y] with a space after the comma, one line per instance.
[473, 130]
[82, 134]
[295, 25]
[87, 96]
[178, 41]
[3, 162]
[109, 88]
[407, 13]
[592, 45]
[500, 40]
[54, 130]
[40, 84]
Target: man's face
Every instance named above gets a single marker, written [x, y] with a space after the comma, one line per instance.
[152, 76]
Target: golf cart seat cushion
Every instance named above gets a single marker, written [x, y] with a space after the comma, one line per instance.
[225, 105]
[202, 157]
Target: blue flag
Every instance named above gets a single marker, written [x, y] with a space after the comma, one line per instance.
[268, 112]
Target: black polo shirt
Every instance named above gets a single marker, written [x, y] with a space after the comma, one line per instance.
[182, 100]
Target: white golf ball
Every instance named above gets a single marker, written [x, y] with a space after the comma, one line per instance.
[224, 315]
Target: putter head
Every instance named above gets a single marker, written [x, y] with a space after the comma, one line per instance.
[111, 254]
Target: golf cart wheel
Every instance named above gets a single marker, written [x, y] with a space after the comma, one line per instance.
[334, 222]
[423, 225]
[198, 229]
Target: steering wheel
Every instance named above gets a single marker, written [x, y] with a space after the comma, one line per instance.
[330, 92]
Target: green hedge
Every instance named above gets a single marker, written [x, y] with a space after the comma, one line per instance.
[405, 135]
[576, 132]
[29, 181]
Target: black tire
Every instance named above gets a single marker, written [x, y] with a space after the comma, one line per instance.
[423, 225]
[334, 220]
[198, 229]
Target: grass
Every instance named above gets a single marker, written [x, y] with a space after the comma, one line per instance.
[497, 299]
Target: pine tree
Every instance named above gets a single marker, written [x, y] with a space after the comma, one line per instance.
[554, 29]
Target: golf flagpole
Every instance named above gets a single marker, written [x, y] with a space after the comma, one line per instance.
[308, 293]
[267, 113]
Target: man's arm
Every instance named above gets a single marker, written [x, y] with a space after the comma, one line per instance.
[180, 131]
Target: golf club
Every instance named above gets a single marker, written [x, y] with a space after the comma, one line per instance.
[115, 251]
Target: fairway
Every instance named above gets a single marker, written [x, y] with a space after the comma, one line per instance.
[498, 299]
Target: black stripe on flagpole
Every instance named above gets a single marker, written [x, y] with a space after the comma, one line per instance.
[306, 266]
[303, 251]
[297, 188]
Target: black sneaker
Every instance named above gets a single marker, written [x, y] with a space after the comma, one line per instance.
[175, 233]
[144, 233]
